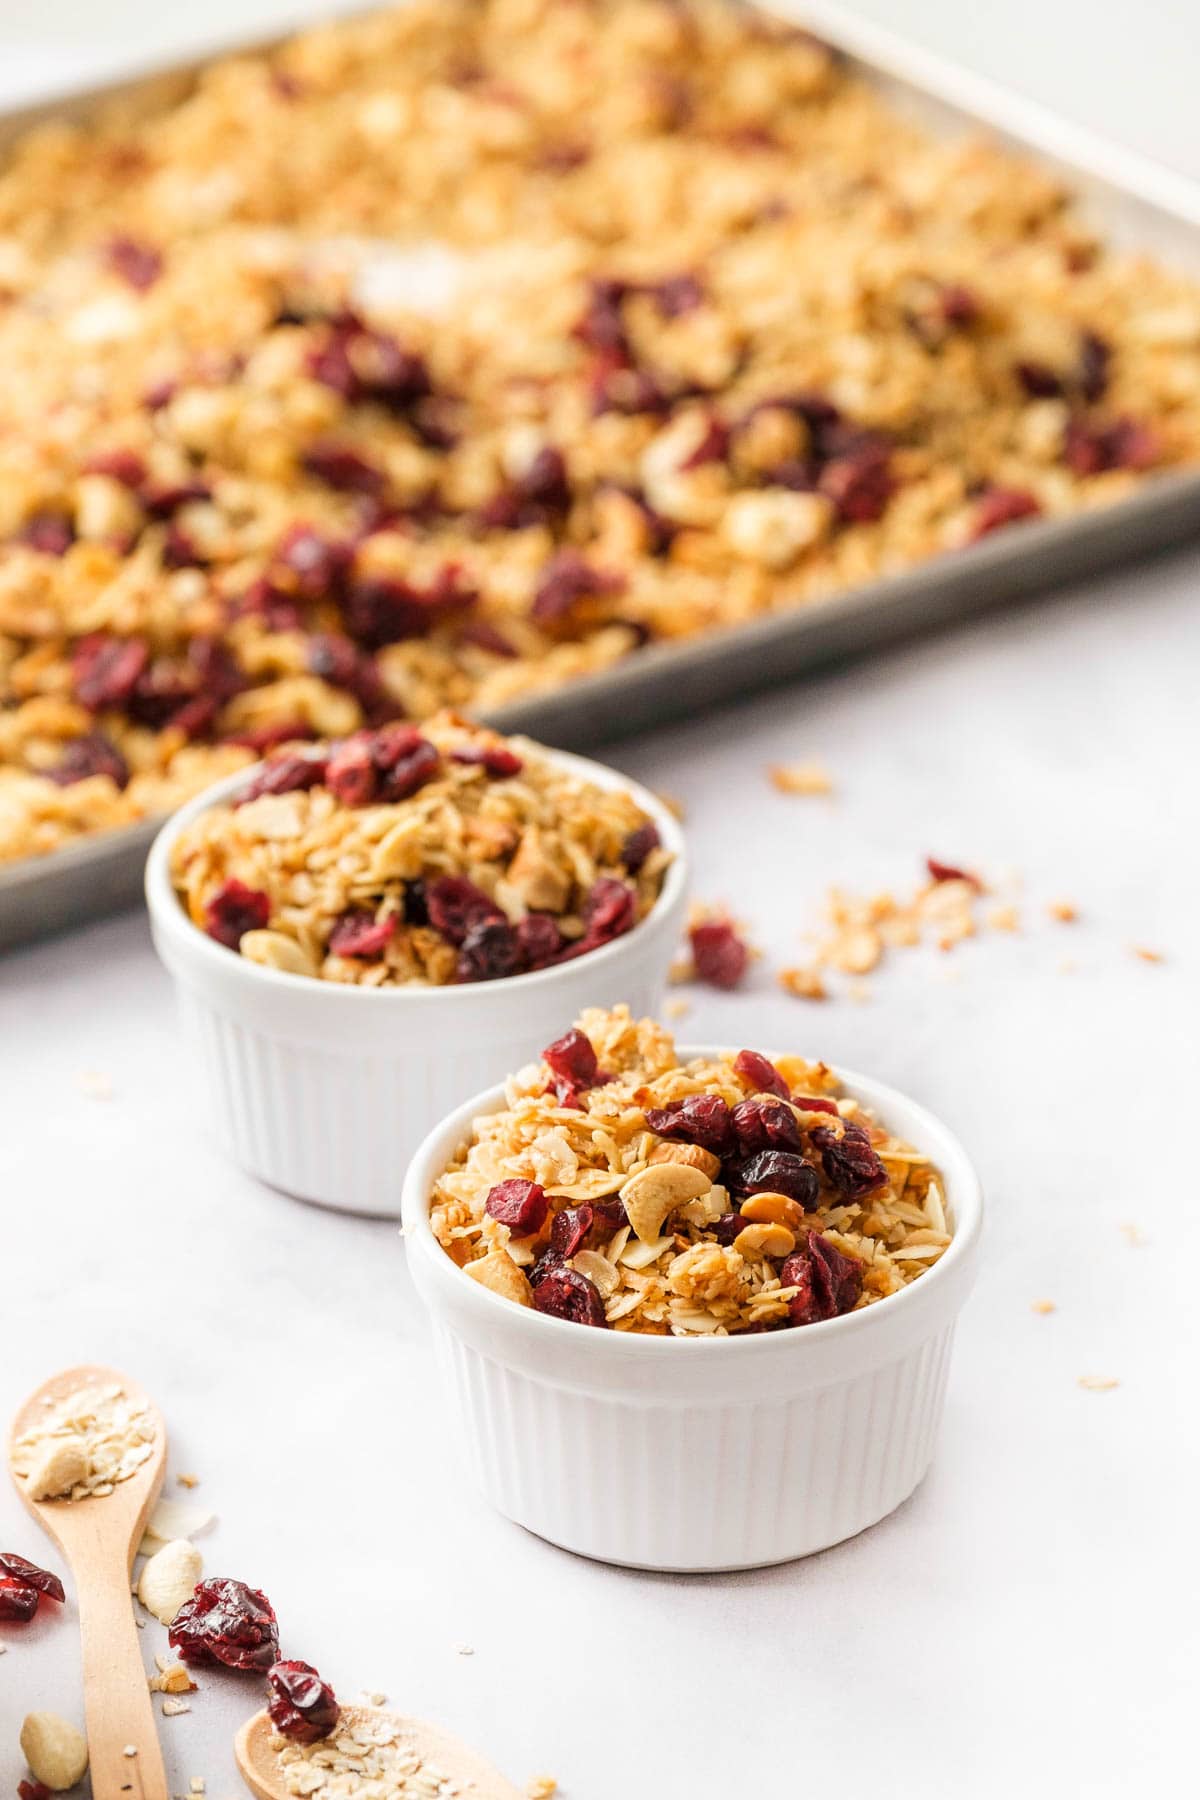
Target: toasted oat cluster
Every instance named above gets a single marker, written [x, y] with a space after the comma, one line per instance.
[622, 1188]
[453, 353]
[85, 1444]
[433, 855]
[368, 1754]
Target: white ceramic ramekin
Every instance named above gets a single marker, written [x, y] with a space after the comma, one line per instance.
[325, 1091]
[698, 1453]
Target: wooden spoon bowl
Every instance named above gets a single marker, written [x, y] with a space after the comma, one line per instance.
[99, 1537]
[264, 1774]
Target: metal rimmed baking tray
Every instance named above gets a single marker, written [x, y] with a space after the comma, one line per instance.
[1135, 202]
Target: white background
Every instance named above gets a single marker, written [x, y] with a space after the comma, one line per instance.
[1025, 1623]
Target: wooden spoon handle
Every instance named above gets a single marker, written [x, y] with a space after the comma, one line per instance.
[116, 1698]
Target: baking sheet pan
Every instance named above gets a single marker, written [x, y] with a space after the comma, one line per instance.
[1135, 202]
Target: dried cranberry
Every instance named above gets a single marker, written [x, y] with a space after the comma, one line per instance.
[316, 564]
[455, 904]
[609, 911]
[226, 1622]
[91, 754]
[638, 845]
[602, 326]
[573, 1057]
[777, 1172]
[18, 1603]
[125, 466]
[336, 659]
[484, 636]
[1039, 380]
[163, 498]
[615, 385]
[359, 933]
[813, 1103]
[302, 1706]
[1092, 449]
[827, 1281]
[570, 1229]
[490, 951]
[720, 956]
[403, 772]
[849, 1162]
[764, 1123]
[138, 264]
[760, 1073]
[521, 1205]
[702, 1119]
[859, 483]
[541, 495]
[285, 775]
[944, 871]
[180, 550]
[1095, 356]
[49, 533]
[998, 506]
[351, 774]
[676, 295]
[497, 759]
[30, 1575]
[105, 670]
[264, 738]
[34, 1790]
[341, 467]
[567, 579]
[381, 609]
[539, 940]
[233, 910]
[566, 1294]
[727, 1227]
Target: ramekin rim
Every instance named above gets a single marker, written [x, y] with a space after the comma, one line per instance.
[166, 911]
[967, 1196]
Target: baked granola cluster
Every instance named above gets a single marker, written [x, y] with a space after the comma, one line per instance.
[453, 353]
[622, 1188]
[433, 855]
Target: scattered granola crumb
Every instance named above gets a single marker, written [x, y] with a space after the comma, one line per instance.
[1067, 965]
[88, 1441]
[171, 1708]
[95, 1084]
[172, 1678]
[859, 992]
[466, 1649]
[1065, 911]
[1044, 1306]
[803, 984]
[677, 1009]
[681, 971]
[542, 1787]
[1133, 1234]
[1147, 955]
[377, 1699]
[188, 1481]
[1004, 918]
[801, 778]
[129, 1750]
[1098, 1384]
[197, 1784]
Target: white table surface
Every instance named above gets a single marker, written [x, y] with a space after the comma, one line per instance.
[1023, 1624]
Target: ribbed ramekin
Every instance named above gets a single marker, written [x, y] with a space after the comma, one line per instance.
[698, 1453]
[325, 1090]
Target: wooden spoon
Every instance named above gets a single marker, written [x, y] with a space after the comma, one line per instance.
[477, 1780]
[99, 1537]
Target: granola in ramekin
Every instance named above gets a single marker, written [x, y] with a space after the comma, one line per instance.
[621, 1187]
[704, 331]
[394, 856]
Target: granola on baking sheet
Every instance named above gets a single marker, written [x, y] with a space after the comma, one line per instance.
[446, 355]
[444, 854]
[620, 1187]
